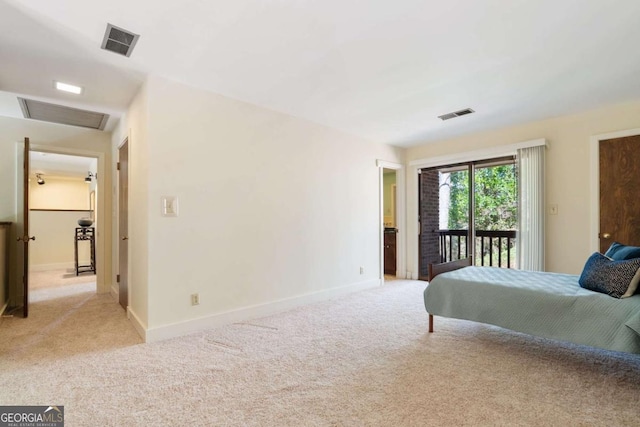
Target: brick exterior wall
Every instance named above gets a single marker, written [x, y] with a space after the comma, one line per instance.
[429, 219]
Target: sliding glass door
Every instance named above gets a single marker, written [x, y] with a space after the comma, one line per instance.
[456, 223]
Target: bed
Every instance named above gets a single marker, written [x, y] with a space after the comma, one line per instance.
[549, 305]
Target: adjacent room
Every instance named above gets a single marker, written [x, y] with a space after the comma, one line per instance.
[320, 213]
[62, 195]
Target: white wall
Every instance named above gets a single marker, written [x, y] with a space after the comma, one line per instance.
[53, 223]
[271, 206]
[12, 132]
[59, 193]
[567, 176]
[388, 211]
[54, 245]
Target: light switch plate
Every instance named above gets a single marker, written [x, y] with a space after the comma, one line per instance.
[169, 206]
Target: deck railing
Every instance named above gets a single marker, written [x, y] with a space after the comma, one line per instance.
[493, 247]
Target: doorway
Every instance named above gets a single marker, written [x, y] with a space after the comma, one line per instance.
[389, 192]
[62, 191]
[392, 221]
[609, 147]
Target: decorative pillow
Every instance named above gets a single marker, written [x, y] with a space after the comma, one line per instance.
[633, 286]
[619, 252]
[601, 274]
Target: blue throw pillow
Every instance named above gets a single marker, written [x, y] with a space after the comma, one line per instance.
[619, 252]
[602, 274]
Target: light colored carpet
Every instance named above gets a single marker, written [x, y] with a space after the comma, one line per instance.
[56, 278]
[363, 360]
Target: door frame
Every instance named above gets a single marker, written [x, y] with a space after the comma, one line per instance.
[26, 171]
[595, 180]
[401, 260]
[116, 230]
[102, 274]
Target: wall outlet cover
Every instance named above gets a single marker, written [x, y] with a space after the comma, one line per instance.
[169, 206]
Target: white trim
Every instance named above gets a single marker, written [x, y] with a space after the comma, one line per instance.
[4, 307]
[401, 224]
[115, 292]
[381, 224]
[388, 165]
[412, 218]
[470, 156]
[243, 314]
[139, 326]
[594, 185]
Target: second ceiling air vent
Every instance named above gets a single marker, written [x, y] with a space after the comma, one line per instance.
[119, 40]
[456, 114]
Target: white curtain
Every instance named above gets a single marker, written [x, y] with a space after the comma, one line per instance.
[531, 208]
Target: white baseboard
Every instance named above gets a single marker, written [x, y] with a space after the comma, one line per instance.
[54, 266]
[115, 292]
[4, 307]
[260, 310]
[140, 327]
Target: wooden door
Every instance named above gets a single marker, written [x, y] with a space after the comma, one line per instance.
[123, 221]
[619, 184]
[390, 252]
[23, 232]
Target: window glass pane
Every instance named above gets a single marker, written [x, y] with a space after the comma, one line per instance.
[454, 200]
[496, 215]
[454, 214]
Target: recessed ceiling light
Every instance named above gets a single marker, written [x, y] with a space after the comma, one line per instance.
[66, 87]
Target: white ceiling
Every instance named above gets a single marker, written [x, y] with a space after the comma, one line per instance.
[54, 164]
[382, 70]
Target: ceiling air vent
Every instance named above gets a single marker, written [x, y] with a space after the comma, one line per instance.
[456, 114]
[119, 40]
[54, 113]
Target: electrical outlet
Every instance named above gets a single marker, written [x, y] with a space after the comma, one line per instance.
[361, 270]
[195, 299]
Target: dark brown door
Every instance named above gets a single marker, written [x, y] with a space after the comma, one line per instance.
[390, 252]
[23, 233]
[123, 221]
[619, 184]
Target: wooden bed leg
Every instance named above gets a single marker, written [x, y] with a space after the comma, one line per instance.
[431, 323]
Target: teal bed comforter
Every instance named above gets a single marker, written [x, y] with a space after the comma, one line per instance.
[548, 305]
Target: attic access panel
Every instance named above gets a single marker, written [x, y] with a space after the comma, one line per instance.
[60, 114]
